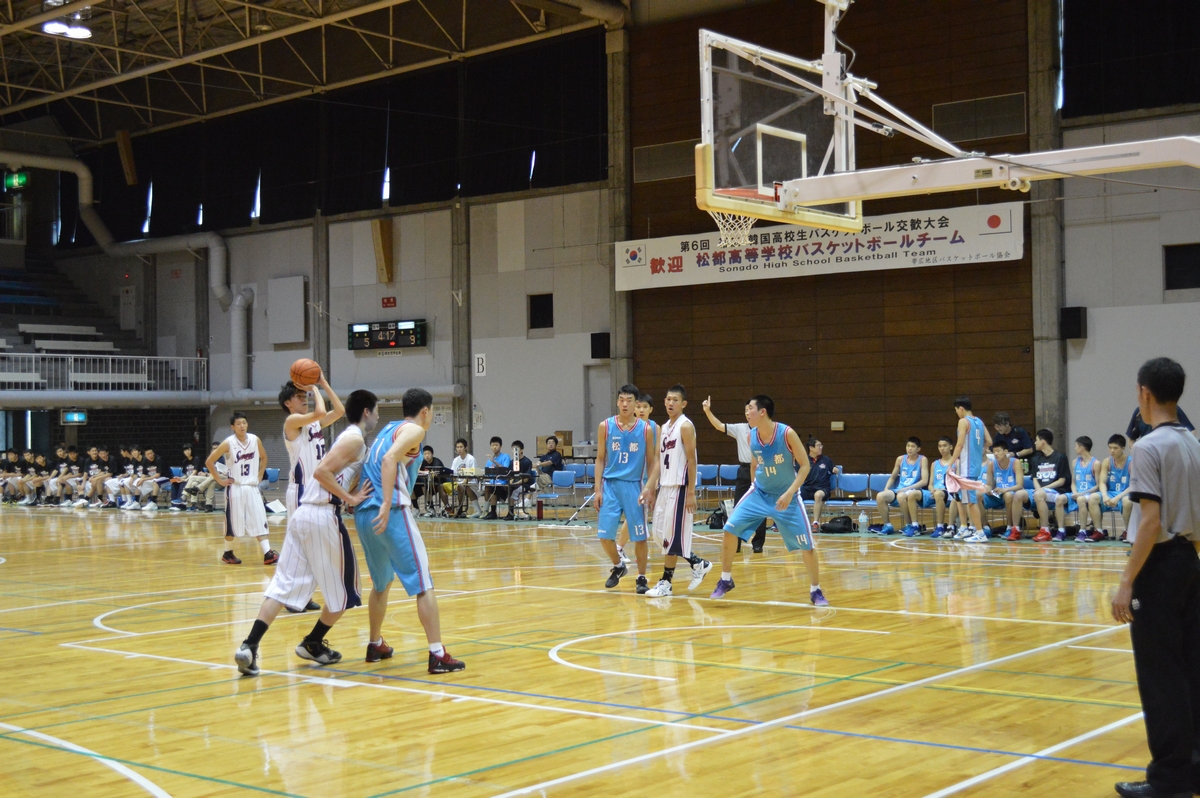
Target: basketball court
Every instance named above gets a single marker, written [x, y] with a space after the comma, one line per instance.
[939, 670]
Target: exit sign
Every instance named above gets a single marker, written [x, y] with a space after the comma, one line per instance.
[389, 301]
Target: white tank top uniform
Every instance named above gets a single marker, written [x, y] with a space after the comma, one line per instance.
[317, 552]
[303, 455]
[672, 523]
[245, 515]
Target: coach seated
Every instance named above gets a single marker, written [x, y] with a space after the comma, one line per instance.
[548, 463]
[1016, 439]
[816, 487]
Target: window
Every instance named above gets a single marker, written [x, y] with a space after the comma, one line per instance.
[1181, 267]
[256, 211]
[541, 311]
[149, 209]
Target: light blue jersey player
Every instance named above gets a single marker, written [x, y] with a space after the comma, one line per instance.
[387, 529]
[642, 408]
[1006, 478]
[1084, 497]
[774, 493]
[909, 476]
[969, 449]
[624, 472]
[943, 502]
[1114, 479]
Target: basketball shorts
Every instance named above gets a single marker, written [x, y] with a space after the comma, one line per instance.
[399, 552]
[810, 494]
[146, 488]
[621, 497]
[245, 514]
[991, 502]
[316, 554]
[672, 523]
[897, 491]
[1118, 508]
[52, 485]
[757, 506]
[1051, 496]
[928, 500]
[971, 496]
[290, 498]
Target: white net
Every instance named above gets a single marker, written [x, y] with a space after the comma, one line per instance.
[735, 228]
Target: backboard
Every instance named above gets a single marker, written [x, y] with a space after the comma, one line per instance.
[761, 127]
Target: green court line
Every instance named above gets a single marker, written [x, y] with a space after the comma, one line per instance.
[211, 779]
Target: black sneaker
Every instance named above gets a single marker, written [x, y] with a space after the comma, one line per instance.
[491, 515]
[229, 558]
[317, 651]
[642, 585]
[375, 653]
[617, 572]
[445, 663]
[312, 606]
[271, 557]
[246, 658]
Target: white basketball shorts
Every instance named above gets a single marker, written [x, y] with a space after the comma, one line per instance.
[245, 514]
[316, 553]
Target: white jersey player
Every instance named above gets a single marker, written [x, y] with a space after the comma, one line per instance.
[676, 502]
[318, 552]
[245, 514]
[302, 432]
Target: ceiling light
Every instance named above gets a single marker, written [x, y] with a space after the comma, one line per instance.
[55, 27]
[79, 32]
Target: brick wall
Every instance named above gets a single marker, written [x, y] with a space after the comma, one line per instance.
[164, 429]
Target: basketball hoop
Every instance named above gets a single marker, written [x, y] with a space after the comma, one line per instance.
[735, 228]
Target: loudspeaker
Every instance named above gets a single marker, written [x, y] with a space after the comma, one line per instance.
[601, 347]
[1072, 322]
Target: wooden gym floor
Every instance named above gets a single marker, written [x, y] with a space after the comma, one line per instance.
[941, 669]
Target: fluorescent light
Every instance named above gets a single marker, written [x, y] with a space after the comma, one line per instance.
[387, 183]
[79, 32]
[55, 27]
[532, 164]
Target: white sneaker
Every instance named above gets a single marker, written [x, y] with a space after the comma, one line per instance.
[662, 589]
[698, 571]
[132, 506]
[621, 554]
[150, 507]
[474, 514]
[95, 504]
[978, 537]
[962, 533]
[81, 503]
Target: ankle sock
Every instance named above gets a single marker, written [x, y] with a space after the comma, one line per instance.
[812, 588]
[266, 545]
[727, 576]
[256, 633]
[437, 649]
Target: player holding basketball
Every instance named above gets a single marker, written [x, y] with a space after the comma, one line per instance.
[676, 501]
[620, 463]
[318, 551]
[246, 461]
[302, 430]
[392, 544]
[774, 447]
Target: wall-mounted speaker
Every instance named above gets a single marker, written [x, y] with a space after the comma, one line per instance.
[1072, 322]
[601, 347]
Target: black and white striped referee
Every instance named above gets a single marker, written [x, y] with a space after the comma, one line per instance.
[1159, 595]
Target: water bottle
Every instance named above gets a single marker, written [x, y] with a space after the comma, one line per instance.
[863, 521]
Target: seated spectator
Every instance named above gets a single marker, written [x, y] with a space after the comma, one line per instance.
[429, 482]
[59, 469]
[1114, 481]
[936, 496]
[911, 472]
[188, 465]
[1084, 496]
[549, 462]
[496, 490]
[1051, 472]
[462, 465]
[523, 480]
[154, 476]
[1016, 439]
[9, 469]
[201, 488]
[1005, 477]
[816, 487]
[99, 470]
[1137, 427]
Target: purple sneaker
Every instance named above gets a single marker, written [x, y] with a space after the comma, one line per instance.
[723, 587]
[818, 598]
[1060, 535]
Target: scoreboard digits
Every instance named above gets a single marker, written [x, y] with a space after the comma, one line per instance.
[388, 335]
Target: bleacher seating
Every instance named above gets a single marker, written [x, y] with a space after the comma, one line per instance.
[44, 345]
[58, 329]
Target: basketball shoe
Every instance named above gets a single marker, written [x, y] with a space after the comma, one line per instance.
[378, 652]
[247, 660]
[271, 557]
[818, 598]
[229, 558]
[723, 587]
[445, 663]
[699, 571]
[615, 576]
[317, 651]
[662, 589]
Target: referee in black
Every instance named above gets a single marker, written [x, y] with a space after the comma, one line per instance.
[741, 434]
[1159, 595]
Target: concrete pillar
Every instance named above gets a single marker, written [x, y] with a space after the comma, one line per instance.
[620, 181]
[319, 291]
[460, 317]
[1046, 222]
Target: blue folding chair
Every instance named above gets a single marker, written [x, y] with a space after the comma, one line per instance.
[725, 481]
[846, 487]
[560, 482]
[875, 484]
[588, 481]
[706, 478]
[270, 477]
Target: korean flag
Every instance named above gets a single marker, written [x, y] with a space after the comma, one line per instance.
[635, 256]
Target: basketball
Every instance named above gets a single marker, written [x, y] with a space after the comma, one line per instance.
[305, 373]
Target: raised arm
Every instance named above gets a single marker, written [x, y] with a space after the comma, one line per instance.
[716, 422]
[298, 421]
[336, 410]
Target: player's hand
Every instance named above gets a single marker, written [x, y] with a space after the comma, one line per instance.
[324, 383]
[783, 501]
[363, 492]
[597, 498]
[224, 482]
[647, 498]
[1122, 604]
[381, 520]
[689, 502]
[707, 403]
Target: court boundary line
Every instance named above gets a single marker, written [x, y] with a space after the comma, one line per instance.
[841, 608]
[553, 653]
[1097, 648]
[1025, 760]
[786, 719]
[112, 764]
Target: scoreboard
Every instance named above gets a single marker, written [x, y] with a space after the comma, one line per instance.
[388, 335]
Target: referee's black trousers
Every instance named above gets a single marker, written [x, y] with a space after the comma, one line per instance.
[1166, 654]
[739, 490]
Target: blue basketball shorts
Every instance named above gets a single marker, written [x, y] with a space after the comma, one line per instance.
[927, 500]
[757, 506]
[991, 502]
[621, 497]
[398, 552]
